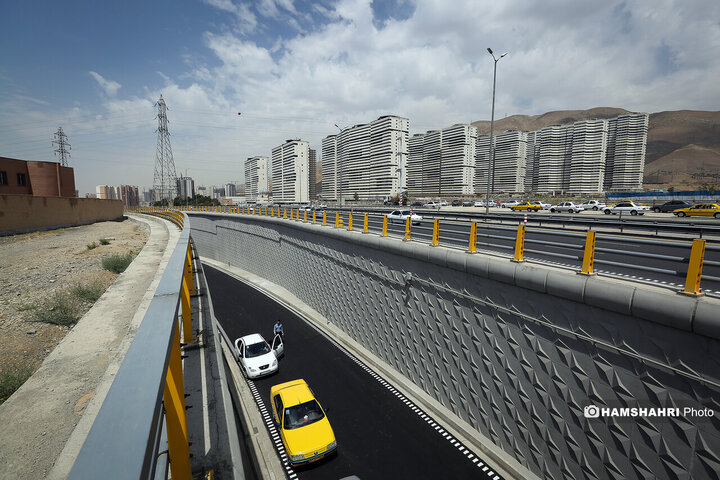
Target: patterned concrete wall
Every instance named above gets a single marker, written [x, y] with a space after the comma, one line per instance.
[515, 351]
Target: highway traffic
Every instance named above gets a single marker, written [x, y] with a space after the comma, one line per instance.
[380, 433]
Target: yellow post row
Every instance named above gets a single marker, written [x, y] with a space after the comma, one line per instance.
[365, 224]
[175, 417]
[589, 255]
[436, 233]
[384, 230]
[520, 244]
[350, 221]
[472, 243]
[694, 273]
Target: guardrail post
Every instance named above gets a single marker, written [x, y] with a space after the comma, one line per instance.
[350, 222]
[365, 224]
[175, 417]
[694, 273]
[472, 242]
[520, 244]
[436, 233]
[589, 255]
[407, 229]
[324, 218]
[384, 230]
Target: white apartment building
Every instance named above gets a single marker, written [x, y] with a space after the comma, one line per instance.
[587, 161]
[291, 172]
[442, 162]
[256, 178]
[625, 159]
[509, 165]
[369, 160]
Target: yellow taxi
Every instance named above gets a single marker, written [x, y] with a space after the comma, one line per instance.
[527, 206]
[699, 210]
[304, 427]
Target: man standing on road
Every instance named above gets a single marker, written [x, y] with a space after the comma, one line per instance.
[278, 330]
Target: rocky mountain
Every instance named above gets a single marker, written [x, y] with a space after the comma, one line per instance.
[683, 148]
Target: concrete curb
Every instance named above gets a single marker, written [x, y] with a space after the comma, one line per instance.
[504, 464]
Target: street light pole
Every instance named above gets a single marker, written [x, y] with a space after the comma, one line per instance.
[491, 166]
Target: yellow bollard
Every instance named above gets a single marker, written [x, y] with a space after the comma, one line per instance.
[407, 228]
[436, 233]
[365, 224]
[589, 255]
[472, 243]
[350, 222]
[520, 244]
[694, 273]
[384, 230]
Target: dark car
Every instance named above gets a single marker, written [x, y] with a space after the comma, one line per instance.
[671, 206]
[455, 203]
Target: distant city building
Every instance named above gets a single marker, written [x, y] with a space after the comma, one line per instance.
[625, 156]
[256, 178]
[291, 172]
[41, 179]
[509, 166]
[185, 187]
[442, 162]
[370, 160]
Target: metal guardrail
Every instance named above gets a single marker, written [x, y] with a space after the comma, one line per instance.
[687, 265]
[148, 392]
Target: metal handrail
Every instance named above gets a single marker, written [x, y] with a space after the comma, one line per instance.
[124, 440]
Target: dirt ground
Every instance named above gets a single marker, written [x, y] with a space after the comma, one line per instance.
[34, 266]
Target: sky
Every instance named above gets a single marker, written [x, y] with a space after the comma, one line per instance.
[296, 68]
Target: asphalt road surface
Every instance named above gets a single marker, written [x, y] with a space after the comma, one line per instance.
[379, 435]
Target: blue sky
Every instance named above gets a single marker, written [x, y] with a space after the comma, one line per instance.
[295, 68]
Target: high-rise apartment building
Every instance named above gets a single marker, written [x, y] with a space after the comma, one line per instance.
[185, 187]
[367, 160]
[587, 160]
[291, 172]
[442, 162]
[508, 166]
[625, 155]
[256, 178]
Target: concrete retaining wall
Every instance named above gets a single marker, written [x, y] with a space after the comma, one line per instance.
[26, 213]
[515, 351]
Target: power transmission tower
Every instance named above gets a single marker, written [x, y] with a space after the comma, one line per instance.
[165, 179]
[63, 147]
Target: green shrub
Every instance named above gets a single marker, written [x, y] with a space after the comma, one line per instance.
[60, 309]
[104, 241]
[89, 293]
[117, 263]
[12, 378]
[92, 245]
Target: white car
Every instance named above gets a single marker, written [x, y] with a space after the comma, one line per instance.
[256, 357]
[593, 205]
[401, 215]
[509, 203]
[627, 207]
[569, 207]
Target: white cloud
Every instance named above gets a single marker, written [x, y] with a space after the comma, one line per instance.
[109, 87]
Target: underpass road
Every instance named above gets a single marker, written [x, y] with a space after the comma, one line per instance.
[379, 436]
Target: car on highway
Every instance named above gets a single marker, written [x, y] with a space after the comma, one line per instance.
[569, 207]
[699, 210]
[256, 357]
[526, 206]
[594, 205]
[401, 216]
[304, 427]
[626, 207]
[671, 206]
[508, 203]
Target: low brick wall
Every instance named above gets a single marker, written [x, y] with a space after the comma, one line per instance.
[26, 213]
